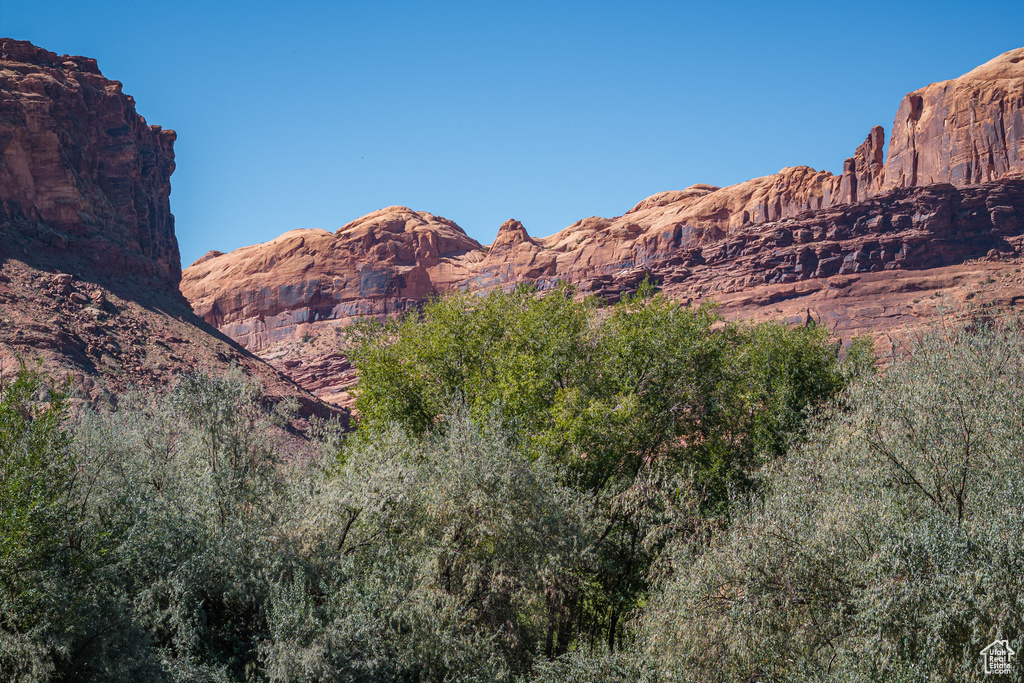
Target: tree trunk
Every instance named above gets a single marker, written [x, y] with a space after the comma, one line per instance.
[565, 624]
[612, 626]
[549, 649]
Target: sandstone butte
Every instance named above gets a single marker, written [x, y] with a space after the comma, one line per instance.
[882, 249]
[89, 263]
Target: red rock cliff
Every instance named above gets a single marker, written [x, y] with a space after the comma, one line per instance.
[89, 265]
[945, 206]
[381, 263]
[965, 131]
[81, 170]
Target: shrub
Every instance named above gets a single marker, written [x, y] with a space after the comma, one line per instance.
[37, 471]
[501, 354]
[437, 559]
[526, 466]
[190, 481]
[617, 397]
[218, 552]
[886, 548]
[37, 529]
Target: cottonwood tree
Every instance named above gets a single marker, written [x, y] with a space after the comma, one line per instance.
[617, 397]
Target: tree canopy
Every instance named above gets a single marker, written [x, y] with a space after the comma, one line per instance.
[612, 396]
[603, 390]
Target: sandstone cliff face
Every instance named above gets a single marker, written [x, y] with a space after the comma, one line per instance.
[381, 263]
[886, 268]
[964, 131]
[914, 229]
[909, 229]
[89, 264]
[946, 207]
[81, 171]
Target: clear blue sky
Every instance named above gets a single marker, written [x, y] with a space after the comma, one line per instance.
[311, 114]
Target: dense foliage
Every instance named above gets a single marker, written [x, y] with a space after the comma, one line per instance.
[602, 391]
[539, 489]
[887, 547]
[621, 399]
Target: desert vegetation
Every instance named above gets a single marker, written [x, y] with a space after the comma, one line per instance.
[539, 489]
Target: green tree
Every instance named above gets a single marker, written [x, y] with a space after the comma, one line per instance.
[500, 354]
[644, 391]
[37, 475]
[884, 548]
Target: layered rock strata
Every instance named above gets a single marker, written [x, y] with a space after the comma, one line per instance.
[946, 198]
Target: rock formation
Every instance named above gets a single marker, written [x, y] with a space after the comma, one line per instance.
[965, 131]
[867, 251]
[82, 171]
[882, 267]
[89, 264]
[381, 263]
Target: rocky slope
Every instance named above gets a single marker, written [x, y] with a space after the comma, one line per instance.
[860, 251]
[89, 264]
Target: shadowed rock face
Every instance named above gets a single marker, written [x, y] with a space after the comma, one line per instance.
[81, 170]
[89, 263]
[858, 251]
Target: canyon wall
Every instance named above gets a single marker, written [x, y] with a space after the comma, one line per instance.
[89, 264]
[964, 131]
[81, 170]
[946, 205]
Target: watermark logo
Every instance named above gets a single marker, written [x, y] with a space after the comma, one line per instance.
[998, 657]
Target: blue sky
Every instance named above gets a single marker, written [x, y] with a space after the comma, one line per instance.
[311, 114]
